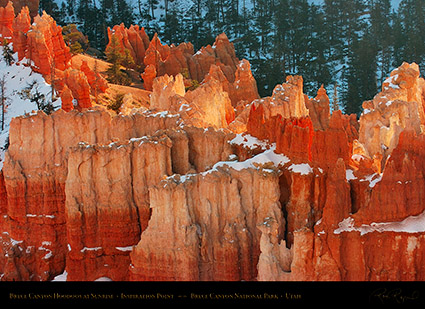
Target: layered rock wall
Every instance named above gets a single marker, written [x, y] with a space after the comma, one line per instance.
[107, 204]
[35, 172]
[214, 219]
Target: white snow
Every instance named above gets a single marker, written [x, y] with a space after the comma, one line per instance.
[163, 114]
[15, 242]
[248, 141]
[64, 277]
[268, 156]
[373, 179]
[90, 249]
[412, 224]
[17, 78]
[262, 158]
[61, 277]
[349, 174]
[103, 279]
[357, 157]
[128, 248]
[390, 80]
[303, 168]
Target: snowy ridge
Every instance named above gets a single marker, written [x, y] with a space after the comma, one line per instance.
[17, 77]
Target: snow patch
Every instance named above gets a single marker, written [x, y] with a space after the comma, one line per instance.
[391, 82]
[90, 249]
[303, 168]
[268, 156]
[248, 141]
[61, 277]
[128, 248]
[412, 224]
[373, 179]
[18, 77]
[349, 174]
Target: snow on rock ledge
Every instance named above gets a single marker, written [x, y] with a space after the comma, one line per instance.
[412, 224]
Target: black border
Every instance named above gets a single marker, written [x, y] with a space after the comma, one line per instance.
[155, 293]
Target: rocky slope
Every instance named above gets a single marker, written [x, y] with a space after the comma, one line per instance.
[209, 182]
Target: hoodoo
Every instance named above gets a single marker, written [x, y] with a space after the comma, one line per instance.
[188, 174]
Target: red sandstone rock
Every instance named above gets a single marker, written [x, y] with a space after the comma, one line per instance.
[7, 14]
[18, 5]
[207, 105]
[318, 109]
[21, 25]
[399, 193]
[244, 88]
[35, 171]
[104, 223]
[83, 207]
[148, 77]
[77, 82]
[133, 39]
[67, 99]
[96, 81]
[181, 59]
[398, 106]
[46, 47]
[204, 248]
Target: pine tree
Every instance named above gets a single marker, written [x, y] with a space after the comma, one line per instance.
[3, 99]
[117, 57]
[382, 34]
[51, 8]
[7, 53]
[411, 16]
[361, 77]
[173, 31]
[335, 105]
[75, 39]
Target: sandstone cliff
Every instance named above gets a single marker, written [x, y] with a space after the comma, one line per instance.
[211, 182]
[35, 172]
[214, 219]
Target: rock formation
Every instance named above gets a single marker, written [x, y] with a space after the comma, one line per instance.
[134, 39]
[246, 188]
[366, 204]
[36, 187]
[207, 105]
[107, 204]
[42, 44]
[21, 25]
[214, 226]
[7, 15]
[397, 107]
[46, 47]
[20, 4]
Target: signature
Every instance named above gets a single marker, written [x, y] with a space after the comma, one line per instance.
[394, 295]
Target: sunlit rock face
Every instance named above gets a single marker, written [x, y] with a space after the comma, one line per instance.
[399, 106]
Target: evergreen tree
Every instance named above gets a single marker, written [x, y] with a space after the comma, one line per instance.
[88, 14]
[382, 34]
[51, 8]
[76, 40]
[3, 99]
[361, 78]
[411, 16]
[335, 100]
[117, 57]
[7, 53]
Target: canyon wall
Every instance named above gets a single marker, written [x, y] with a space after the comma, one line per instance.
[212, 182]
